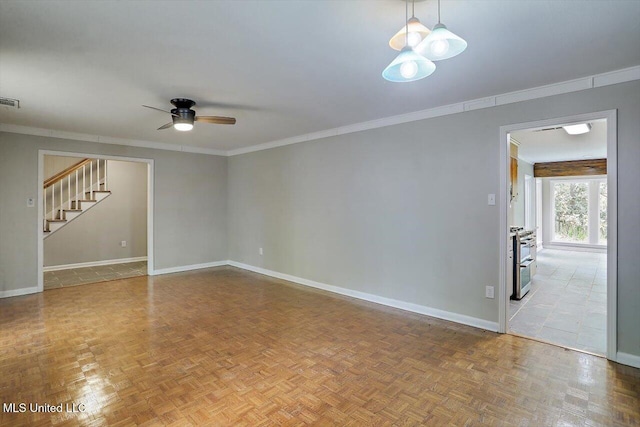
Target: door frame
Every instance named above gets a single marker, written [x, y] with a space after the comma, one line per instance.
[150, 186]
[612, 216]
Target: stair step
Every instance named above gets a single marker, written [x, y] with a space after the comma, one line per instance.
[85, 201]
[75, 210]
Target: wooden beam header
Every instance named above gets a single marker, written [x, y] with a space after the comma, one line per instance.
[570, 168]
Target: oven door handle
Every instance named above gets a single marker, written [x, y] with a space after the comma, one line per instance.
[526, 263]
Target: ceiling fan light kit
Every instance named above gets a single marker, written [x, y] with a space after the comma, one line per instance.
[420, 47]
[183, 116]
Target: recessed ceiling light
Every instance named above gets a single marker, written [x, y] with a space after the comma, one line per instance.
[577, 129]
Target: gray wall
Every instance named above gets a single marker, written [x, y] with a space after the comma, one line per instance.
[190, 204]
[56, 164]
[97, 233]
[402, 212]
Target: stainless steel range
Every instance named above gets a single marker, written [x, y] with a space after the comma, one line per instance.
[523, 251]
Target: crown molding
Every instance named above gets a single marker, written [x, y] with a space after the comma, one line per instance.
[27, 130]
[589, 82]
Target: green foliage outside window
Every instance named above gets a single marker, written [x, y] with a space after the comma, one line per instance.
[572, 211]
[602, 217]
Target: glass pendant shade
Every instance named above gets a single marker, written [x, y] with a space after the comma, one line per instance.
[408, 67]
[441, 44]
[417, 33]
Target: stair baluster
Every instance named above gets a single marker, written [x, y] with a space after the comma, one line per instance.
[61, 211]
[44, 204]
[91, 180]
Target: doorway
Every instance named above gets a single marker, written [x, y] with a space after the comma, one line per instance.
[572, 292]
[67, 269]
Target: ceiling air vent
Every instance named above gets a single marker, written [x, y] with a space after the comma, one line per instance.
[9, 102]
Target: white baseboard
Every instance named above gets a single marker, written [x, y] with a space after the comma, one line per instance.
[18, 292]
[182, 268]
[628, 359]
[94, 263]
[415, 308]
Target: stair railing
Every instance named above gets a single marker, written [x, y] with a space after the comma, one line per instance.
[74, 180]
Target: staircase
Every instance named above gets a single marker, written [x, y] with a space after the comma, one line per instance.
[69, 194]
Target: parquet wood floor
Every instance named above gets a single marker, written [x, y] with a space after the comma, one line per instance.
[224, 347]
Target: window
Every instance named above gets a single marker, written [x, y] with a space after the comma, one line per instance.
[580, 211]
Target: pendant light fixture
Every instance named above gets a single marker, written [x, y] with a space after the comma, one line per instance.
[441, 43]
[408, 65]
[415, 34]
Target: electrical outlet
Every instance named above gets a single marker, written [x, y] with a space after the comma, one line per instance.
[31, 202]
[488, 292]
[123, 244]
[261, 251]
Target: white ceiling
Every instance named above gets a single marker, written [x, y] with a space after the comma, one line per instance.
[557, 145]
[283, 68]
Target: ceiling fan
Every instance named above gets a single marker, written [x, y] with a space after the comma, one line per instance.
[183, 116]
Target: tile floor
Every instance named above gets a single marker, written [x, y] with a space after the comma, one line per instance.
[567, 303]
[103, 273]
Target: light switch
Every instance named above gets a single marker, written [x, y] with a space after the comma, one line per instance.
[488, 292]
[31, 202]
[492, 199]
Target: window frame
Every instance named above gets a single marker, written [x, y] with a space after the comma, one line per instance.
[593, 210]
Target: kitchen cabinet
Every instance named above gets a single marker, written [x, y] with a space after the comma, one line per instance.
[513, 172]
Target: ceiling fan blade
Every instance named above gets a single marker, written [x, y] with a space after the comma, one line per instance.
[167, 126]
[164, 111]
[218, 120]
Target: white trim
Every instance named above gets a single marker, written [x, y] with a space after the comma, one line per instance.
[612, 234]
[182, 268]
[28, 130]
[617, 76]
[18, 292]
[544, 91]
[563, 246]
[150, 203]
[628, 359]
[150, 216]
[598, 80]
[612, 209]
[94, 263]
[40, 223]
[505, 241]
[589, 82]
[407, 306]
